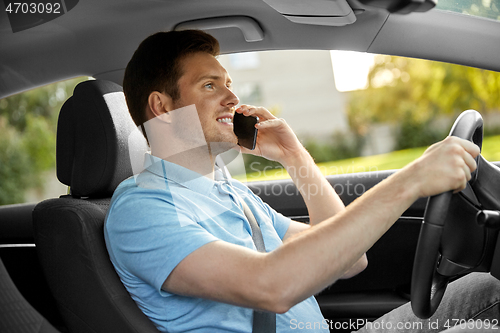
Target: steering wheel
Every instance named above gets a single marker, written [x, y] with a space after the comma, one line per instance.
[439, 256]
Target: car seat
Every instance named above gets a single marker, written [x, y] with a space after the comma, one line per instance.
[97, 143]
[16, 313]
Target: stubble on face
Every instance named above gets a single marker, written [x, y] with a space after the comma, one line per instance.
[209, 106]
[217, 142]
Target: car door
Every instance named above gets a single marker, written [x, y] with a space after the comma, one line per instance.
[385, 284]
[18, 253]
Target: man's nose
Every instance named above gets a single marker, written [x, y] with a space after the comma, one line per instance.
[231, 98]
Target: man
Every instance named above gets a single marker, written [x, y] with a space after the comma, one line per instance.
[177, 233]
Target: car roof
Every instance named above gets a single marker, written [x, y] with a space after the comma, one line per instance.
[98, 37]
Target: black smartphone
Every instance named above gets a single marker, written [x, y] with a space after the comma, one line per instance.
[244, 128]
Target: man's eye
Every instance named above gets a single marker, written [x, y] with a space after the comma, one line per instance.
[209, 85]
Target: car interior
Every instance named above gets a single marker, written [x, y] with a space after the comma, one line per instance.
[55, 273]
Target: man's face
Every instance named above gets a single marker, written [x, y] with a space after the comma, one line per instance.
[207, 84]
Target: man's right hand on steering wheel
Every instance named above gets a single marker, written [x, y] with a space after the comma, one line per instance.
[446, 165]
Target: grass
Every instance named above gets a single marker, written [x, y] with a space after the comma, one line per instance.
[389, 161]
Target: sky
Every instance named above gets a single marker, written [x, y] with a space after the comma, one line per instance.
[350, 69]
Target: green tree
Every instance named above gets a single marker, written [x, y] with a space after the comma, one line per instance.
[341, 145]
[27, 138]
[413, 93]
[484, 8]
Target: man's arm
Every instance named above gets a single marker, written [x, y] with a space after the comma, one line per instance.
[276, 141]
[321, 200]
[319, 196]
[297, 227]
[317, 257]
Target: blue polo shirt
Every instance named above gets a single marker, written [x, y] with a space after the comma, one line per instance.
[160, 216]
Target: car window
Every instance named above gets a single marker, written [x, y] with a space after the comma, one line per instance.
[27, 143]
[354, 112]
[359, 112]
[482, 8]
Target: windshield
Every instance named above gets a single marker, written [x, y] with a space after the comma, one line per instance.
[481, 8]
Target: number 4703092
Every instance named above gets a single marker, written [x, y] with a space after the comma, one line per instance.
[33, 8]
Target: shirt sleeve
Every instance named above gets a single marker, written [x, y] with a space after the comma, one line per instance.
[148, 236]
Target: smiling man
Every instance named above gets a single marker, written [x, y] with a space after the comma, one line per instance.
[179, 234]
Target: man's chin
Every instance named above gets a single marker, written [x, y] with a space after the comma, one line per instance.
[217, 148]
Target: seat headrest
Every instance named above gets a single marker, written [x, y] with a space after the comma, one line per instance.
[97, 140]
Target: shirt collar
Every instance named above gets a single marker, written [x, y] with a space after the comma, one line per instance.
[183, 176]
[221, 173]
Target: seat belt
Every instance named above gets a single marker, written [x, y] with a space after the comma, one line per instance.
[263, 321]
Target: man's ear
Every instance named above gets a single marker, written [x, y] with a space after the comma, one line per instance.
[159, 103]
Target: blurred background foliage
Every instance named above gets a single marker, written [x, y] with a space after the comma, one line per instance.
[28, 138]
[339, 146]
[421, 98]
[484, 8]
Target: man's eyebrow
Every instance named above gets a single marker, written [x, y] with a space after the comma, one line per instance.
[212, 77]
[209, 76]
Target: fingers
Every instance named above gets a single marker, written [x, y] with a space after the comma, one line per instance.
[470, 147]
[448, 165]
[465, 152]
[250, 110]
[266, 118]
[470, 162]
[270, 123]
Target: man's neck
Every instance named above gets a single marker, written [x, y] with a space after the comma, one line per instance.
[197, 159]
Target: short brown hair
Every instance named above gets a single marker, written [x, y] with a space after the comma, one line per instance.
[155, 66]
